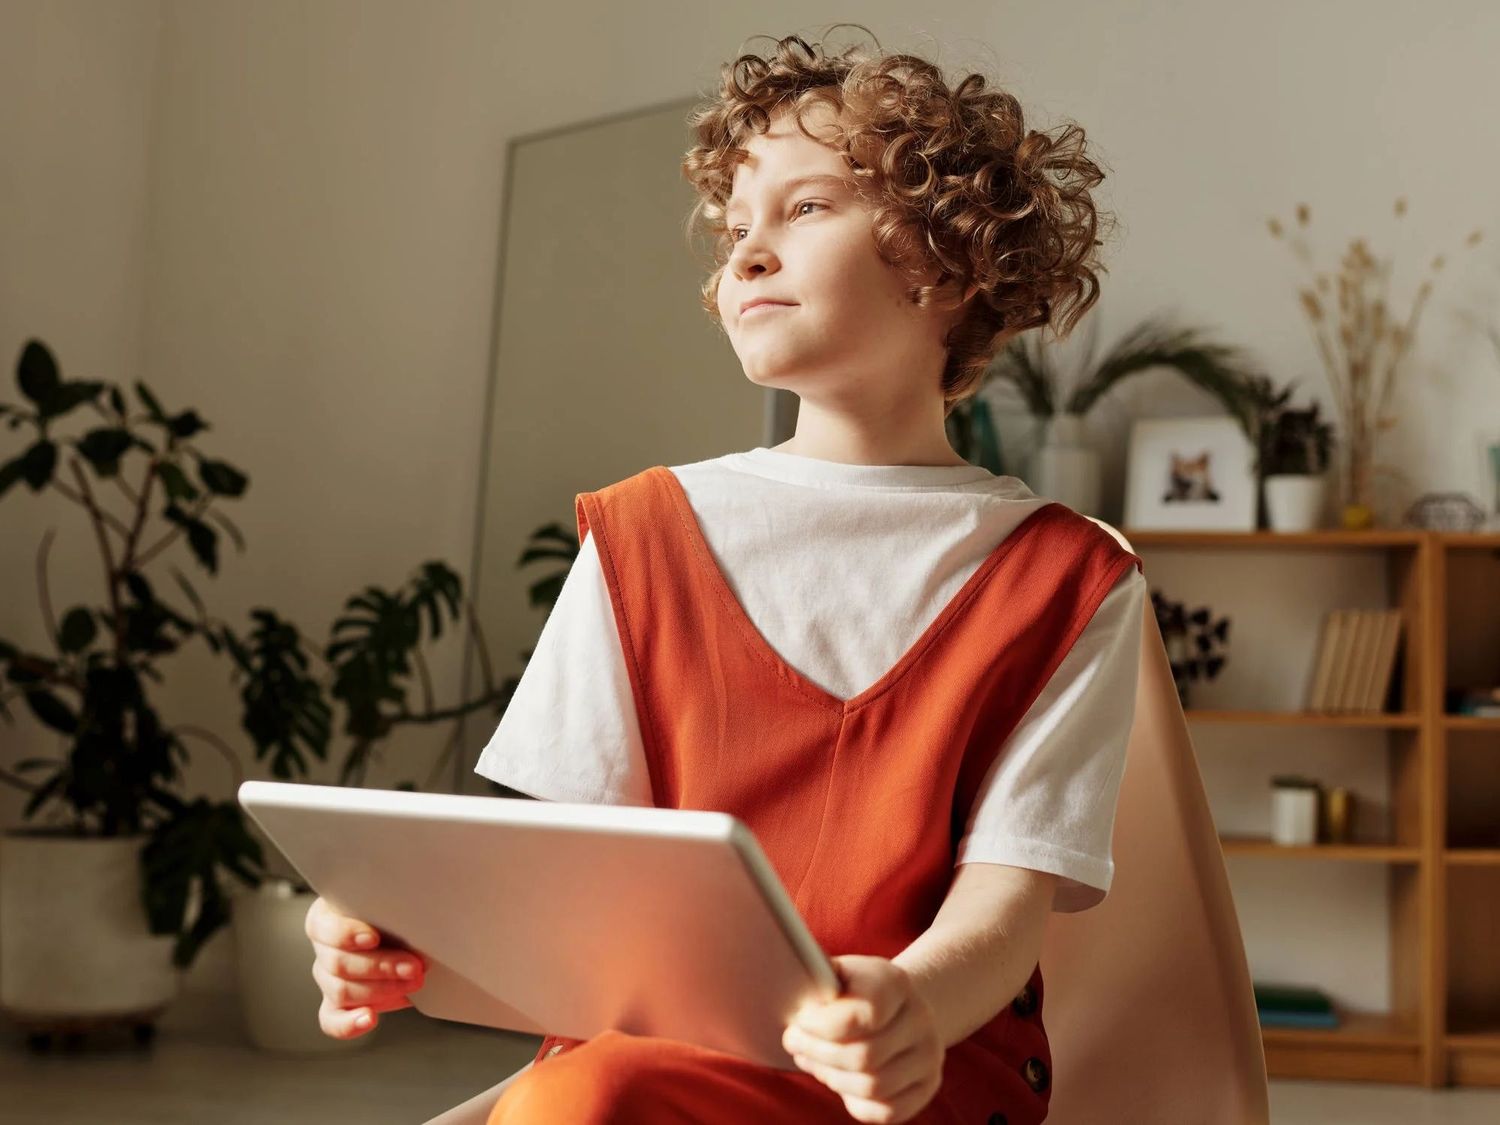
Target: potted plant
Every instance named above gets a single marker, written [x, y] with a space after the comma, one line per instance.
[373, 666]
[104, 905]
[1193, 642]
[1364, 344]
[1064, 465]
[1292, 462]
[145, 867]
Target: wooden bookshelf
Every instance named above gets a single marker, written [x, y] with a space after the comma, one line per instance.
[1443, 858]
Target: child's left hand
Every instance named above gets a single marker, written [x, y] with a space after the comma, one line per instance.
[876, 1045]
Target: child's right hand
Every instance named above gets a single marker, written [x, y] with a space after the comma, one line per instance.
[360, 977]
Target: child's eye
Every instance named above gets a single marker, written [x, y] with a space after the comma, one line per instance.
[805, 203]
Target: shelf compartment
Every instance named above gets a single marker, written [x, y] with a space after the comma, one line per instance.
[1263, 847]
[1367, 1046]
[1474, 1055]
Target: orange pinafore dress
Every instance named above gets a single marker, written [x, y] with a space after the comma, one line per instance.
[859, 803]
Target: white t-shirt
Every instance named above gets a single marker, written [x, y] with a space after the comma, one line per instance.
[841, 568]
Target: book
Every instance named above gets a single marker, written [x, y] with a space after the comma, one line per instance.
[1342, 653]
[1297, 1019]
[1385, 664]
[1322, 665]
[1362, 660]
[1291, 998]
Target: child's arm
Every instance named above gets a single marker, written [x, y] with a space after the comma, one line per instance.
[881, 1044]
[982, 946]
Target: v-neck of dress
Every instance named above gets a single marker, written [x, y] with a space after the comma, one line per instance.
[758, 643]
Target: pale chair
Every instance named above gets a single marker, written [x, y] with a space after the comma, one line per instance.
[1148, 1003]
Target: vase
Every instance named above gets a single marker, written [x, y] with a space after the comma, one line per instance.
[1294, 815]
[1066, 467]
[1294, 501]
[75, 942]
[273, 966]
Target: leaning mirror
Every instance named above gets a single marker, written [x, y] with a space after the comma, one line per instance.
[603, 361]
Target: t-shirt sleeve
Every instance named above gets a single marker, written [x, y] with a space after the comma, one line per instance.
[570, 731]
[1048, 801]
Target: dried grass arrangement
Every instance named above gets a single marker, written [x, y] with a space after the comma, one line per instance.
[1363, 346]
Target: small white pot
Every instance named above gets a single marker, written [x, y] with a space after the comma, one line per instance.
[1294, 815]
[1295, 501]
[273, 963]
[75, 940]
[1066, 467]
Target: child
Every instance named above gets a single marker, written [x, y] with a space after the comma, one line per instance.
[913, 679]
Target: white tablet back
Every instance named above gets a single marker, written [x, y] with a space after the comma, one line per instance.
[568, 919]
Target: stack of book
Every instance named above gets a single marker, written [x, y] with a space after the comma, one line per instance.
[1355, 661]
[1290, 1006]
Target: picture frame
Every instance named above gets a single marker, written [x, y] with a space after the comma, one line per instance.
[1193, 473]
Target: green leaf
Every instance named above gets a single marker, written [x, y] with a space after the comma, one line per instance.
[176, 483]
[36, 373]
[77, 631]
[221, 478]
[285, 713]
[104, 447]
[186, 424]
[38, 463]
[11, 472]
[154, 407]
[204, 541]
[52, 710]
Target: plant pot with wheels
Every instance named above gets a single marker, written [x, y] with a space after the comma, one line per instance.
[77, 954]
[273, 967]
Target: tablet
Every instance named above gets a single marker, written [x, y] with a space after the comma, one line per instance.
[560, 918]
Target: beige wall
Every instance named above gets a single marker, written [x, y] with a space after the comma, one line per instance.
[286, 215]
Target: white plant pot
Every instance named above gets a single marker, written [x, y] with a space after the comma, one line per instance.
[1295, 501]
[1294, 815]
[75, 941]
[1066, 467]
[273, 963]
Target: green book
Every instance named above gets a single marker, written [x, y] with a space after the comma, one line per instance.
[1287, 998]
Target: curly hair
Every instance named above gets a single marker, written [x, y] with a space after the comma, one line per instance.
[952, 177]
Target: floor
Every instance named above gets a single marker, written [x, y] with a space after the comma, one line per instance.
[202, 1068]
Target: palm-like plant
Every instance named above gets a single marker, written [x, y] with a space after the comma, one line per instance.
[1027, 364]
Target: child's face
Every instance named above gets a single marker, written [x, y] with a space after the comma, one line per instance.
[850, 333]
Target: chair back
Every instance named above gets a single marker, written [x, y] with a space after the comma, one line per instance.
[1148, 1003]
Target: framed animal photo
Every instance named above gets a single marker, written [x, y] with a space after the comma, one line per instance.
[1189, 473]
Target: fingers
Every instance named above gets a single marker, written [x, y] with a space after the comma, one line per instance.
[862, 1055]
[882, 1082]
[383, 964]
[341, 1023]
[328, 926]
[350, 992]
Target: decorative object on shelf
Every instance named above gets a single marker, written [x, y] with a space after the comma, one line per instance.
[1190, 639]
[1481, 702]
[1445, 511]
[1294, 810]
[1362, 347]
[1293, 452]
[1294, 1006]
[1493, 451]
[1189, 473]
[1064, 465]
[1338, 816]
